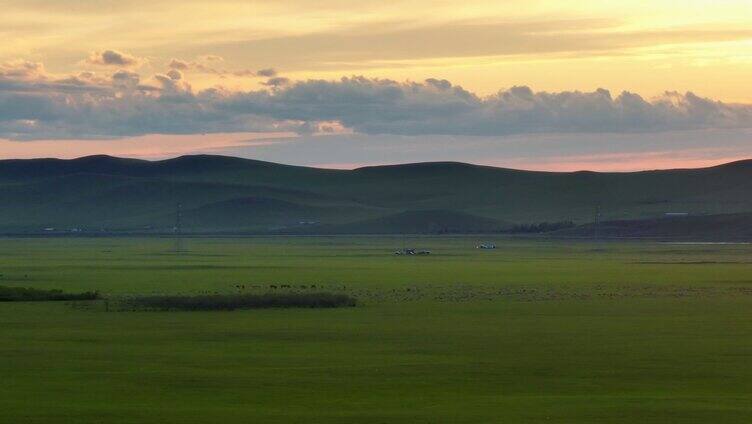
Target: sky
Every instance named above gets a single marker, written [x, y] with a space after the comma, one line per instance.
[534, 84]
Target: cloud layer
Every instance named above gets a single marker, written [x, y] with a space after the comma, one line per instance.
[37, 105]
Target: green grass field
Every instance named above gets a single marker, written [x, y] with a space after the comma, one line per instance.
[534, 331]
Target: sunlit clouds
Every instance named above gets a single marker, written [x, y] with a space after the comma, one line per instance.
[477, 72]
[483, 45]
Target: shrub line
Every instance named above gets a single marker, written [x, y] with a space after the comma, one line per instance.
[240, 301]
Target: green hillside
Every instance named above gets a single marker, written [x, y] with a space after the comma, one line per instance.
[226, 194]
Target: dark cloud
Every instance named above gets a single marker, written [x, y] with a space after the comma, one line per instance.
[276, 82]
[113, 58]
[200, 66]
[440, 84]
[437, 107]
[268, 72]
[127, 79]
[33, 105]
[175, 74]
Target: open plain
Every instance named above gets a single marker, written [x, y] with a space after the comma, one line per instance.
[533, 331]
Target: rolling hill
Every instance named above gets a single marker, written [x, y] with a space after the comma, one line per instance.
[227, 194]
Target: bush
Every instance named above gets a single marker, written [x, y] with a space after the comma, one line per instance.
[241, 301]
[23, 294]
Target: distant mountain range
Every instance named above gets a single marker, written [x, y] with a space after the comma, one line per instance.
[217, 194]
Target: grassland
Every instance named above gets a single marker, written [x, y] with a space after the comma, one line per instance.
[535, 331]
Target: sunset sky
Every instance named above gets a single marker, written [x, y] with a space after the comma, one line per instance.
[604, 85]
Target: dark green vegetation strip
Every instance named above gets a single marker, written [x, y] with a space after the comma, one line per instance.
[24, 294]
[243, 301]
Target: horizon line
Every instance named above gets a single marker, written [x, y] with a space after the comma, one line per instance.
[717, 164]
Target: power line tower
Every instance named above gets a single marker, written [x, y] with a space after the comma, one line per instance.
[177, 229]
[597, 222]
